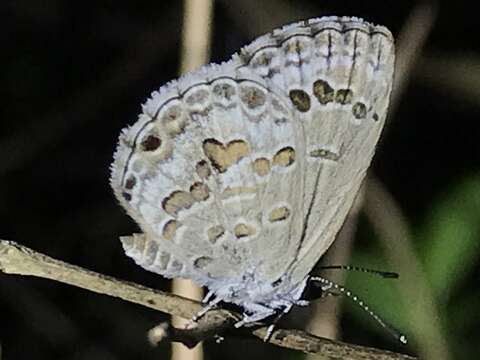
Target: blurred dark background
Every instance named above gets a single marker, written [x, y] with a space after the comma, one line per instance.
[73, 74]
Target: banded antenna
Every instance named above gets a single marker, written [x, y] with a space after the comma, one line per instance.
[329, 287]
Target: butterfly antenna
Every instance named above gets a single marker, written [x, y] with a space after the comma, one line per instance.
[384, 274]
[331, 287]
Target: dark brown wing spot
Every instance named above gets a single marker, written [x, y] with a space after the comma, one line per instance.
[323, 92]
[151, 143]
[284, 157]
[221, 156]
[344, 96]
[279, 214]
[359, 110]
[300, 99]
[177, 201]
[130, 183]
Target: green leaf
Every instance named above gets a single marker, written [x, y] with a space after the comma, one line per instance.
[381, 295]
[450, 240]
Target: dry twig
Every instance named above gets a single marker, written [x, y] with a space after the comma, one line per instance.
[20, 260]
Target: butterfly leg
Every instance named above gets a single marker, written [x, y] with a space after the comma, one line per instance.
[277, 318]
[259, 313]
[210, 304]
[206, 299]
[301, 302]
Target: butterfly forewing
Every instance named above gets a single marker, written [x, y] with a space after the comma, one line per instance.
[337, 74]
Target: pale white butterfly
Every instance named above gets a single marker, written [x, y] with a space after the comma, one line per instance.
[241, 174]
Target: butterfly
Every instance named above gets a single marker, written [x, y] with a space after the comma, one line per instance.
[240, 174]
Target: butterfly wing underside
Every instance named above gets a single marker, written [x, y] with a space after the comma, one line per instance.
[241, 174]
[207, 172]
[337, 73]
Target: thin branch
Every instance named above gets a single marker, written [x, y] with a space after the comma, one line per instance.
[196, 34]
[196, 41]
[20, 260]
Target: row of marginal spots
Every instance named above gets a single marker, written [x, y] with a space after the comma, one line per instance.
[155, 259]
[326, 39]
[160, 260]
[261, 54]
[147, 253]
[226, 93]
